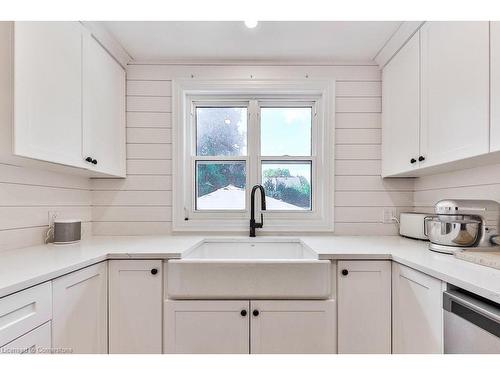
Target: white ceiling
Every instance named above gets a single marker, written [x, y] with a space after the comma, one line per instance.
[276, 40]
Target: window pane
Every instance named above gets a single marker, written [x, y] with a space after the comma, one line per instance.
[287, 185]
[220, 185]
[285, 131]
[221, 131]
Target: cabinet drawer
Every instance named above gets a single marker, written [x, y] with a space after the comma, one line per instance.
[23, 311]
[36, 341]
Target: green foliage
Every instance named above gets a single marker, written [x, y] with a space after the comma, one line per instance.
[212, 177]
[297, 195]
[277, 172]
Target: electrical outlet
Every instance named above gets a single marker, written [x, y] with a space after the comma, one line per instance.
[388, 214]
[52, 215]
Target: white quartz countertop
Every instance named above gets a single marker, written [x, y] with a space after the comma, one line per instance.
[25, 267]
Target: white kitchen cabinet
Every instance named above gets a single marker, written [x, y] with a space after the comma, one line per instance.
[37, 341]
[401, 110]
[293, 327]
[207, 327]
[455, 91]
[47, 95]
[103, 109]
[257, 326]
[23, 311]
[135, 306]
[80, 310]
[436, 100]
[62, 100]
[495, 86]
[364, 307]
[417, 312]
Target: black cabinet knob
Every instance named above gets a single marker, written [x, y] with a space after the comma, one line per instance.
[94, 161]
[421, 158]
[345, 272]
[243, 313]
[413, 160]
[88, 159]
[255, 313]
[154, 271]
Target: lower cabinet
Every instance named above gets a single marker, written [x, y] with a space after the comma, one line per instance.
[250, 327]
[80, 311]
[417, 311]
[364, 307]
[293, 327]
[37, 341]
[135, 306]
[207, 327]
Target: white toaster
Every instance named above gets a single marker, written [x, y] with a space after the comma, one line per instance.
[411, 224]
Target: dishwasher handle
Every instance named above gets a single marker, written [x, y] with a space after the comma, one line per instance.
[480, 313]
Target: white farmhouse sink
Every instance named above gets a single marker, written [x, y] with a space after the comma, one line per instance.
[261, 268]
[254, 249]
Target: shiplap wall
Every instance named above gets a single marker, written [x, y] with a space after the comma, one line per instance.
[474, 183]
[141, 204]
[26, 197]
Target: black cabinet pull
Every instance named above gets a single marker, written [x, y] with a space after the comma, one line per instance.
[421, 158]
[345, 272]
[94, 161]
[243, 313]
[154, 271]
[413, 160]
[255, 313]
[88, 159]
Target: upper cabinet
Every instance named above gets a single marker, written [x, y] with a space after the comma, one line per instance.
[455, 91]
[437, 120]
[47, 91]
[64, 99]
[103, 109]
[401, 110]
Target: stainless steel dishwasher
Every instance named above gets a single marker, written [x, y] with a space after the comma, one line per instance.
[471, 324]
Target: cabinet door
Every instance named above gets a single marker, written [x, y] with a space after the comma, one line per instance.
[417, 312]
[36, 341]
[80, 310]
[455, 91]
[135, 306]
[207, 327]
[48, 91]
[103, 109]
[364, 307]
[401, 110]
[495, 86]
[293, 327]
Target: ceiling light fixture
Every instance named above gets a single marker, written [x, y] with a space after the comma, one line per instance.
[251, 24]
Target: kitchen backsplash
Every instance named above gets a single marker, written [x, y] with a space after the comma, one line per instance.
[474, 183]
[26, 197]
[142, 203]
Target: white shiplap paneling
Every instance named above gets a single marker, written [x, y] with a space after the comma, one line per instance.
[474, 183]
[141, 204]
[26, 197]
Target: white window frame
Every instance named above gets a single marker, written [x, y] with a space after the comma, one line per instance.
[319, 94]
